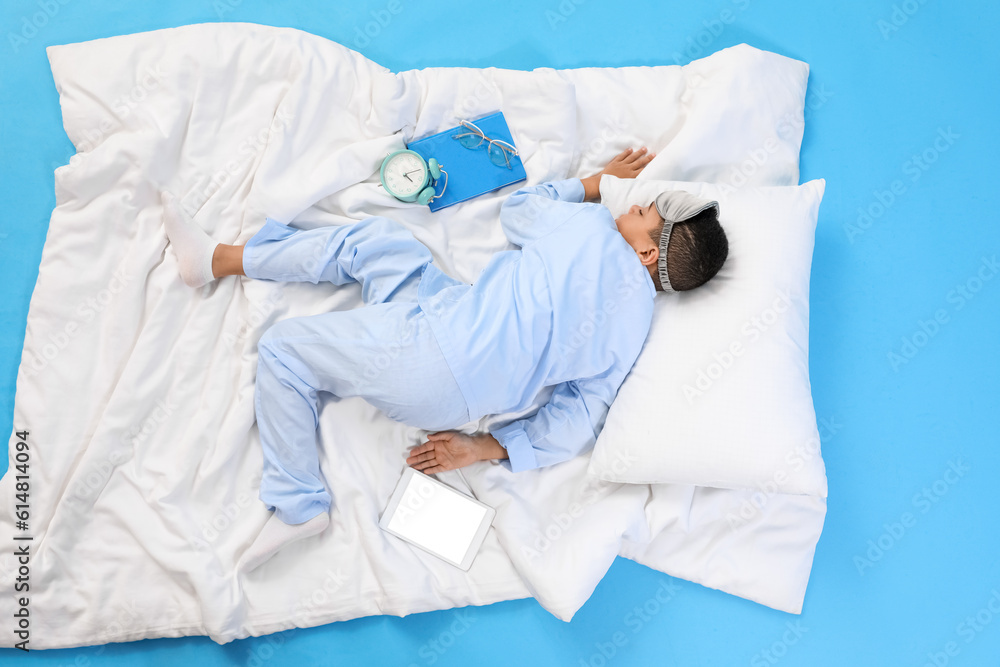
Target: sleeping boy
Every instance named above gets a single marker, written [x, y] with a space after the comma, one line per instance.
[569, 309]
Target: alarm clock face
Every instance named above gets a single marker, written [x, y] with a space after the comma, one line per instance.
[405, 174]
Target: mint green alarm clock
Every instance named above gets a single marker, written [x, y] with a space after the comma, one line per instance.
[407, 177]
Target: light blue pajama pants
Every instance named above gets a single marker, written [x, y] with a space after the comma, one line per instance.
[383, 352]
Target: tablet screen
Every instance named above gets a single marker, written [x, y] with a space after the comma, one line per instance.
[437, 518]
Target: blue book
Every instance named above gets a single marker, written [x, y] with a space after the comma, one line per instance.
[470, 171]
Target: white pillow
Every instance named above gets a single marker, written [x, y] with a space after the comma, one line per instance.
[720, 393]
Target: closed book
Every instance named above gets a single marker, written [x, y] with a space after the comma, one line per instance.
[470, 171]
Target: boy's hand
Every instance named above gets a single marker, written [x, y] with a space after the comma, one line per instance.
[449, 450]
[626, 164]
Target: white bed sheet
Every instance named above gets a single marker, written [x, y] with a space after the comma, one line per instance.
[137, 391]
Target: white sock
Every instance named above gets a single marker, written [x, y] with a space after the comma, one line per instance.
[194, 248]
[276, 534]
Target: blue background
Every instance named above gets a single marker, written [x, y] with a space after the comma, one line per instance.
[881, 97]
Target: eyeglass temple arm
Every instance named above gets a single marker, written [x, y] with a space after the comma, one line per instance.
[445, 187]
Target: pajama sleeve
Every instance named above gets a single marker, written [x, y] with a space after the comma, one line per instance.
[563, 428]
[534, 211]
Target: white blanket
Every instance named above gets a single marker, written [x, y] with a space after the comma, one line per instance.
[136, 391]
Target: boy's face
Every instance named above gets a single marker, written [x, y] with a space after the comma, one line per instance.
[635, 226]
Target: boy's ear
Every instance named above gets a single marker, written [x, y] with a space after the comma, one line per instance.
[649, 255]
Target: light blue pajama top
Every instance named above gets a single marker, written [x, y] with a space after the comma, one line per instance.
[570, 309]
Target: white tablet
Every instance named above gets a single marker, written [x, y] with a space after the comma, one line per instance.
[437, 518]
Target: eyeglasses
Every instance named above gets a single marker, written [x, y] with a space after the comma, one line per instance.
[498, 150]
